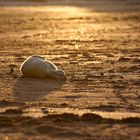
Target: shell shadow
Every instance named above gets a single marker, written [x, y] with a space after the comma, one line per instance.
[32, 89]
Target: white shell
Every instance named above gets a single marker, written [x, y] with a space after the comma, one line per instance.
[37, 66]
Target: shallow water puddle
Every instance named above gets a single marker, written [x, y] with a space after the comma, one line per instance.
[117, 115]
[37, 112]
[113, 115]
[33, 112]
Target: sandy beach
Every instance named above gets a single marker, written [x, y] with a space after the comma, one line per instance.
[97, 44]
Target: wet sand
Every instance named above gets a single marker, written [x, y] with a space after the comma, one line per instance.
[97, 44]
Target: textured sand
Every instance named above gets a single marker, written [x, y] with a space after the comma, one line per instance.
[97, 44]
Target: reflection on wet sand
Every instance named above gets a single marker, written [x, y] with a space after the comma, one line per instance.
[30, 89]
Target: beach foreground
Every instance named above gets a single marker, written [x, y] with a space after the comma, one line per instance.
[97, 44]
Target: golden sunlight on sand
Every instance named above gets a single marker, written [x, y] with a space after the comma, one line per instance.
[96, 43]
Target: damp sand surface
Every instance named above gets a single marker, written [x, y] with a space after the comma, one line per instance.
[97, 44]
